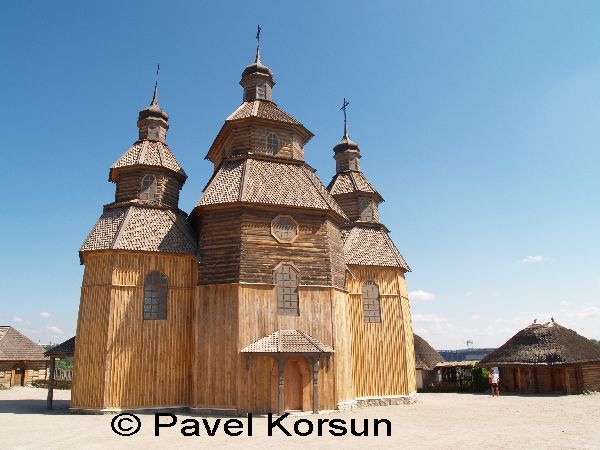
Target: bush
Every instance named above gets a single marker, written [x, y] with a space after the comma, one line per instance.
[58, 384]
[480, 379]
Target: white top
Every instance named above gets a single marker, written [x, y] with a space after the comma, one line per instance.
[495, 377]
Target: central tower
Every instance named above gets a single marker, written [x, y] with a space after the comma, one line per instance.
[270, 249]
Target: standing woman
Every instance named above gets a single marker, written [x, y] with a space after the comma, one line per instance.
[495, 381]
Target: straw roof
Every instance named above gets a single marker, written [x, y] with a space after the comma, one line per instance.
[66, 348]
[425, 355]
[548, 343]
[15, 346]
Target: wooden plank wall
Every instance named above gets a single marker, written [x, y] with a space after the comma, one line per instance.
[123, 361]
[215, 363]
[342, 343]
[258, 308]
[591, 376]
[383, 361]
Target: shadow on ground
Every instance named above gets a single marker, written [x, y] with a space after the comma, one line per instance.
[27, 406]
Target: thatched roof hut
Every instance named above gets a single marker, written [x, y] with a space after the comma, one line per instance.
[547, 358]
[426, 358]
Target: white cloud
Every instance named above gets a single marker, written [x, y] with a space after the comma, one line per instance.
[54, 330]
[534, 259]
[432, 318]
[45, 314]
[421, 296]
[18, 319]
[475, 316]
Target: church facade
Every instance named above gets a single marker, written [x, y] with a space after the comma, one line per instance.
[276, 293]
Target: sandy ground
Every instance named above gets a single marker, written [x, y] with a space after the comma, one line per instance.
[436, 421]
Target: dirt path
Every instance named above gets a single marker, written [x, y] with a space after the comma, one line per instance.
[437, 421]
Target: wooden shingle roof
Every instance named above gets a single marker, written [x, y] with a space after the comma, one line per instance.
[268, 182]
[148, 153]
[288, 341]
[264, 110]
[351, 181]
[143, 229]
[15, 346]
[548, 343]
[370, 245]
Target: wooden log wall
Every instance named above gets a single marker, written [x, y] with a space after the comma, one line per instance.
[122, 361]
[236, 245]
[129, 185]
[382, 354]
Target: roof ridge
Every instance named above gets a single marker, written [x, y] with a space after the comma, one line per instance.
[304, 171]
[122, 227]
[173, 218]
[244, 179]
[141, 157]
[308, 338]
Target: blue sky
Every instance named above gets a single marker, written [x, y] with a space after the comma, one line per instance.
[477, 121]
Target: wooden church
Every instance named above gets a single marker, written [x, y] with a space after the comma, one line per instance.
[275, 293]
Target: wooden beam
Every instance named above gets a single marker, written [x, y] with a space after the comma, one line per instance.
[281, 393]
[315, 377]
[50, 384]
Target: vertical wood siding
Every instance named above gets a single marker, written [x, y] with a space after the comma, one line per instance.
[382, 353]
[122, 361]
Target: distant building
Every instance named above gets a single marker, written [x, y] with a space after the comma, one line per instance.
[22, 361]
[547, 358]
[426, 360]
[465, 354]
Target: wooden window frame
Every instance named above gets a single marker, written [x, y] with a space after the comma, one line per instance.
[156, 294]
[272, 143]
[371, 304]
[261, 87]
[364, 204]
[148, 190]
[286, 278]
[275, 230]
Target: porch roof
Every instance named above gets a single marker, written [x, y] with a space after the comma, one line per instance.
[288, 341]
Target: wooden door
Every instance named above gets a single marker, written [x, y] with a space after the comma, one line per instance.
[17, 379]
[293, 386]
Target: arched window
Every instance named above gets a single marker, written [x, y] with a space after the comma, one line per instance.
[155, 296]
[148, 188]
[371, 306]
[287, 279]
[272, 143]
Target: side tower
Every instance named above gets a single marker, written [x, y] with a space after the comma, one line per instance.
[383, 363]
[135, 313]
[271, 266]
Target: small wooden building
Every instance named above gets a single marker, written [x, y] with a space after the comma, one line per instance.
[22, 361]
[547, 358]
[426, 359]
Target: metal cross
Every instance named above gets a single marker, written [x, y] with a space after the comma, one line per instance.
[258, 37]
[343, 108]
[157, 70]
